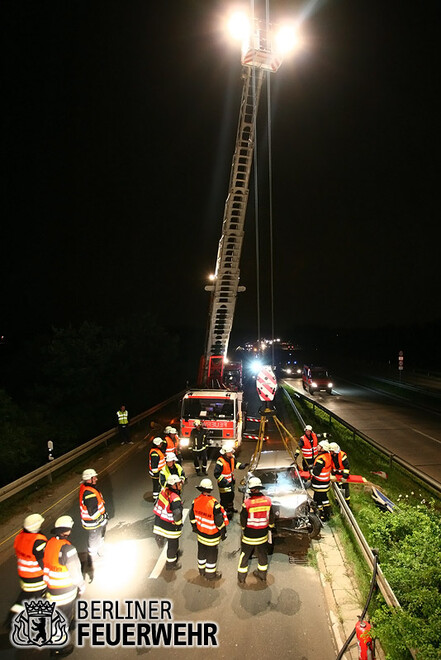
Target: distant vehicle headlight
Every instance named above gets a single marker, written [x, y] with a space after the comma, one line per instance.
[330, 385]
[313, 384]
[299, 371]
[288, 371]
[184, 442]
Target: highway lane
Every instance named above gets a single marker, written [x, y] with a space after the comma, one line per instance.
[409, 432]
[288, 617]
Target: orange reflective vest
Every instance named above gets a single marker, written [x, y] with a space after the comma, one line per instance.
[309, 449]
[203, 511]
[88, 521]
[172, 445]
[60, 588]
[227, 473]
[337, 463]
[324, 477]
[29, 570]
[258, 509]
[154, 472]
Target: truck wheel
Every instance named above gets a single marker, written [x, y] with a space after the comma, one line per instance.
[314, 526]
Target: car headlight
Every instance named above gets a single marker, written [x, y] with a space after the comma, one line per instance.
[184, 442]
[313, 384]
[299, 371]
[330, 385]
[288, 371]
[302, 509]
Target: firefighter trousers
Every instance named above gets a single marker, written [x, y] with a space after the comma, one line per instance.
[156, 488]
[95, 541]
[207, 558]
[227, 501]
[200, 460]
[321, 498]
[172, 549]
[246, 551]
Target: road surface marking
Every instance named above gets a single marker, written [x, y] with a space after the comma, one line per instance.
[426, 436]
[163, 556]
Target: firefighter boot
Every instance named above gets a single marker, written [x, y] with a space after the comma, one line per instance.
[213, 576]
[259, 575]
[174, 567]
[241, 578]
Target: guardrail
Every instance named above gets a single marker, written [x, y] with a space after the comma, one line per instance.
[47, 470]
[422, 476]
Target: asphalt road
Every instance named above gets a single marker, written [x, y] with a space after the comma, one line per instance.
[286, 618]
[410, 432]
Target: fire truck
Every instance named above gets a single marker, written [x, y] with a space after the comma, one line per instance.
[221, 409]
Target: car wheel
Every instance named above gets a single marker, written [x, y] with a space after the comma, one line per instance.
[311, 391]
[314, 526]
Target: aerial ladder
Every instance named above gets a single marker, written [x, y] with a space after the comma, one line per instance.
[259, 55]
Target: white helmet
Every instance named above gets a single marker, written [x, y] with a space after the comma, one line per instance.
[171, 457]
[206, 484]
[157, 441]
[173, 431]
[308, 428]
[324, 444]
[255, 482]
[64, 521]
[168, 429]
[173, 480]
[197, 422]
[33, 522]
[89, 474]
[227, 448]
[333, 446]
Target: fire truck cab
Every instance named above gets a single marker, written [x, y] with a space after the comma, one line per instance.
[220, 411]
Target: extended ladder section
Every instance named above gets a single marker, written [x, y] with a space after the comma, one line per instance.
[226, 280]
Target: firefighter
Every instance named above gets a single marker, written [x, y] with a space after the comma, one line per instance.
[308, 447]
[171, 467]
[321, 480]
[62, 573]
[156, 463]
[199, 445]
[224, 473]
[168, 520]
[340, 465]
[172, 440]
[93, 514]
[122, 417]
[209, 521]
[29, 546]
[256, 519]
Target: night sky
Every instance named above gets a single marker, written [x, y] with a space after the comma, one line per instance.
[118, 126]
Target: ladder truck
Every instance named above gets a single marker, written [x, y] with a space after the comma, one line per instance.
[220, 409]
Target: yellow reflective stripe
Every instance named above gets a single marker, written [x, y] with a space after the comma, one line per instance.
[258, 541]
[258, 509]
[205, 541]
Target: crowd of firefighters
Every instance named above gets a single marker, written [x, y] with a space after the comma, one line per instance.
[52, 569]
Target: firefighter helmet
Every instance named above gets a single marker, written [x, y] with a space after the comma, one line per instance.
[227, 448]
[65, 522]
[173, 431]
[206, 484]
[33, 522]
[333, 446]
[197, 422]
[173, 480]
[171, 457]
[308, 428]
[157, 441]
[255, 482]
[324, 444]
[168, 429]
[89, 474]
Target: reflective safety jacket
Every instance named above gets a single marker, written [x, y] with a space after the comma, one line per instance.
[208, 519]
[123, 417]
[167, 471]
[309, 446]
[92, 507]
[256, 517]
[198, 439]
[60, 584]
[156, 461]
[224, 473]
[168, 514]
[340, 464]
[29, 548]
[321, 472]
[172, 445]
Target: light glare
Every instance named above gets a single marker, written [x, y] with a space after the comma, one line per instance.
[287, 39]
[239, 26]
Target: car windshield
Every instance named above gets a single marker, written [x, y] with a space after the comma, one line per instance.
[320, 374]
[278, 481]
[194, 408]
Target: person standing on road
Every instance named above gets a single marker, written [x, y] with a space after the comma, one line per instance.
[321, 480]
[29, 546]
[93, 514]
[308, 447]
[340, 466]
[172, 441]
[168, 520]
[62, 574]
[199, 445]
[122, 417]
[156, 463]
[224, 473]
[209, 521]
[256, 519]
[171, 467]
